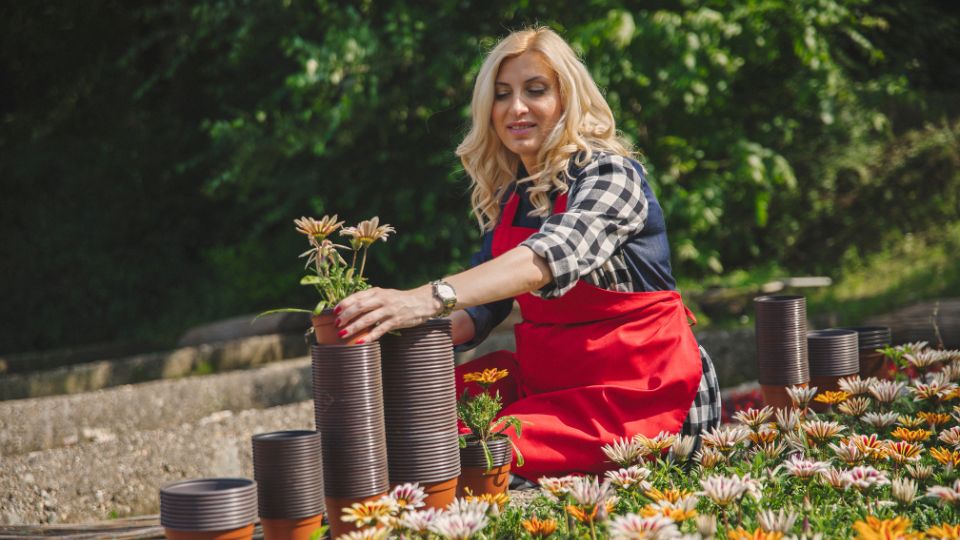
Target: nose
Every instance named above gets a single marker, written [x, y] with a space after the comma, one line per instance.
[518, 106]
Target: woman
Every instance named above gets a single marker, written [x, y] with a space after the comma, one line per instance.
[575, 235]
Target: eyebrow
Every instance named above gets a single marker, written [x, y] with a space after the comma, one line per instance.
[531, 79]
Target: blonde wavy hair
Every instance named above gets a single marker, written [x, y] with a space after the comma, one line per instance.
[586, 125]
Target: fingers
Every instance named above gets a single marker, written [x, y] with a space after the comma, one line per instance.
[358, 304]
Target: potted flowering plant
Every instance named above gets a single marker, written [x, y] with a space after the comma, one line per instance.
[332, 277]
[485, 452]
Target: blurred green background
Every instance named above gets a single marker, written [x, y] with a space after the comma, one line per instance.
[154, 154]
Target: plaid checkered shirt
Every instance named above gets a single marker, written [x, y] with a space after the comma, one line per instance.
[612, 228]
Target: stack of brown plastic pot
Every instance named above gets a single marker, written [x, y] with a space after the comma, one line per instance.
[348, 407]
[420, 409]
[288, 468]
[870, 339]
[833, 355]
[209, 509]
[781, 333]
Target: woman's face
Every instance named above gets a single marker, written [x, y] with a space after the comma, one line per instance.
[526, 105]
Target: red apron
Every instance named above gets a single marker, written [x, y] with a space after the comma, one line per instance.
[591, 366]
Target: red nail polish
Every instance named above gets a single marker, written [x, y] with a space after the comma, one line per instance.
[336, 310]
[360, 342]
[336, 323]
[342, 333]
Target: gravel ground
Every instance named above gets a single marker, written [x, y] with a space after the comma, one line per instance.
[122, 476]
[116, 412]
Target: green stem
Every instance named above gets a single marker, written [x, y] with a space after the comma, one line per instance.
[593, 531]
[364, 263]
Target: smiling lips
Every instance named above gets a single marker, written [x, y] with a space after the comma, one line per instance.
[520, 127]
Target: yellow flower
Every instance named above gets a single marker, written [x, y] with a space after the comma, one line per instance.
[498, 499]
[911, 435]
[674, 513]
[582, 515]
[832, 398]
[318, 229]
[944, 531]
[764, 436]
[368, 513]
[759, 534]
[903, 451]
[910, 421]
[946, 456]
[486, 377]
[368, 232]
[887, 529]
[934, 419]
[657, 444]
[539, 528]
[671, 495]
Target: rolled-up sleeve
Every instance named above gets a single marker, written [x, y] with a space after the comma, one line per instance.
[485, 317]
[605, 207]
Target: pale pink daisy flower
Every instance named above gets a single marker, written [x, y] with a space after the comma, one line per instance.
[880, 420]
[723, 490]
[950, 436]
[630, 478]
[854, 385]
[407, 496]
[781, 521]
[418, 521]
[624, 451]
[886, 391]
[725, 438]
[945, 494]
[801, 396]
[801, 467]
[753, 418]
[865, 477]
[834, 478]
[632, 527]
[555, 488]
[848, 452]
[904, 490]
[458, 525]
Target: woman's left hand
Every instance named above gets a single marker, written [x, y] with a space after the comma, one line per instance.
[383, 310]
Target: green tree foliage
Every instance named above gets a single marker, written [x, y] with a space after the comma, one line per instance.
[153, 156]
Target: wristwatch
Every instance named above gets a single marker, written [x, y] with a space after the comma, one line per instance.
[444, 292]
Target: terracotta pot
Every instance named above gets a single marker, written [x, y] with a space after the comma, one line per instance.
[243, 533]
[480, 481]
[440, 494]
[872, 364]
[776, 396]
[335, 508]
[327, 332]
[474, 474]
[291, 529]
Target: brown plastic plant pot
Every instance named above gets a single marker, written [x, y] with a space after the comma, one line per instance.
[440, 494]
[776, 395]
[291, 529]
[480, 481]
[872, 364]
[335, 508]
[242, 533]
[824, 383]
[327, 333]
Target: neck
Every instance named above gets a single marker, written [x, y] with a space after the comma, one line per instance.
[530, 164]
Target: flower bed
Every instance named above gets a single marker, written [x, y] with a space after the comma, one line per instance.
[880, 463]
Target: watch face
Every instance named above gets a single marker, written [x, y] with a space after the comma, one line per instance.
[445, 291]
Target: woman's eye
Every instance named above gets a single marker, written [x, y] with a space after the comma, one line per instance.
[498, 97]
[537, 91]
